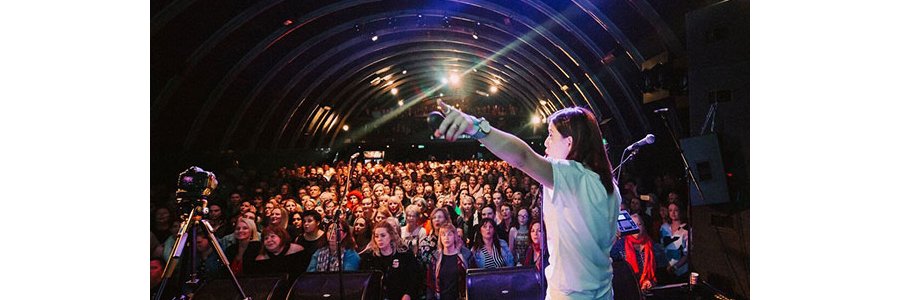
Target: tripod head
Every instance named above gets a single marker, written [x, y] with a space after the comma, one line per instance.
[194, 185]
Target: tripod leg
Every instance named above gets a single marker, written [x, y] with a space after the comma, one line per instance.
[174, 255]
[215, 243]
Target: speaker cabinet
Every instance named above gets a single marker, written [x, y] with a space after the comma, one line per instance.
[504, 283]
[326, 285]
[256, 287]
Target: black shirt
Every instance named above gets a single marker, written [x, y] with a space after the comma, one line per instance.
[401, 272]
[449, 277]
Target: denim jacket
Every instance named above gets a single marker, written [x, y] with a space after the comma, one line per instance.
[505, 254]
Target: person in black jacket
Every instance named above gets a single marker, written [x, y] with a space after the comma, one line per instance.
[387, 253]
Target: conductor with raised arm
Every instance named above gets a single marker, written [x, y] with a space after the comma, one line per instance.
[581, 201]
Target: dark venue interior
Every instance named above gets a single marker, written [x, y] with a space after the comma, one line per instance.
[274, 97]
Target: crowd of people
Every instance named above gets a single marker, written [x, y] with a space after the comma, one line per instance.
[422, 224]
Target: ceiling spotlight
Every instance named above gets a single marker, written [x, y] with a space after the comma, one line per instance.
[326, 107]
[442, 94]
[454, 79]
[374, 37]
[535, 119]
[475, 36]
[493, 89]
[404, 72]
[346, 128]
[394, 91]
[543, 102]
[288, 22]
[564, 87]
[400, 103]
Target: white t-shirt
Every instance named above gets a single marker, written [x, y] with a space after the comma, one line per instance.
[581, 228]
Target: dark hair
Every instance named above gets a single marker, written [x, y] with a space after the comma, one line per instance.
[479, 240]
[347, 242]
[312, 213]
[587, 141]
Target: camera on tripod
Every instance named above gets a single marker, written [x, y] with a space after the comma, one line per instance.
[194, 185]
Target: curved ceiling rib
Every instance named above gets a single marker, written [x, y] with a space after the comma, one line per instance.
[273, 78]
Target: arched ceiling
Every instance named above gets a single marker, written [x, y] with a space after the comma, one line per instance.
[269, 74]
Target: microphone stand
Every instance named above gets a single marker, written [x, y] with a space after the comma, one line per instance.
[337, 223]
[617, 171]
[692, 179]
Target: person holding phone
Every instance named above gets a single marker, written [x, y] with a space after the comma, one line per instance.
[581, 201]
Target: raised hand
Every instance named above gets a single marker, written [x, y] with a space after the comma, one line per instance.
[455, 123]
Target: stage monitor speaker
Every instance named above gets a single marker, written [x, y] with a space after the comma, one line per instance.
[504, 283]
[705, 159]
[326, 285]
[256, 287]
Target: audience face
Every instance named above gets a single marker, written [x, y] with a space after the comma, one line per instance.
[412, 219]
[367, 203]
[315, 191]
[358, 212]
[310, 225]
[505, 213]
[523, 216]
[382, 239]
[290, 206]
[438, 219]
[249, 215]
[498, 199]
[235, 199]
[673, 197]
[467, 204]
[487, 233]
[479, 203]
[448, 239]
[379, 217]
[275, 216]
[156, 272]
[635, 205]
[359, 225]
[297, 220]
[272, 242]
[333, 237]
[269, 208]
[536, 233]
[674, 213]
[242, 231]
[487, 213]
[394, 204]
[215, 212]
[246, 206]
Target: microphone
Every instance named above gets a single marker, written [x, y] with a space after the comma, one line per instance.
[649, 139]
[661, 110]
[434, 120]
[354, 156]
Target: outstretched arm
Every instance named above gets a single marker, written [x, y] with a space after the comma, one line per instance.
[506, 146]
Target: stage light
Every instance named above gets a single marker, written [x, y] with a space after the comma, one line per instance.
[475, 36]
[535, 119]
[404, 72]
[394, 91]
[454, 79]
[374, 37]
[444, 80]
[543, 102]
[564, 87]
[493, 89]
[441, 94]
[346, 128]
[326, 107]
[400, 103]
